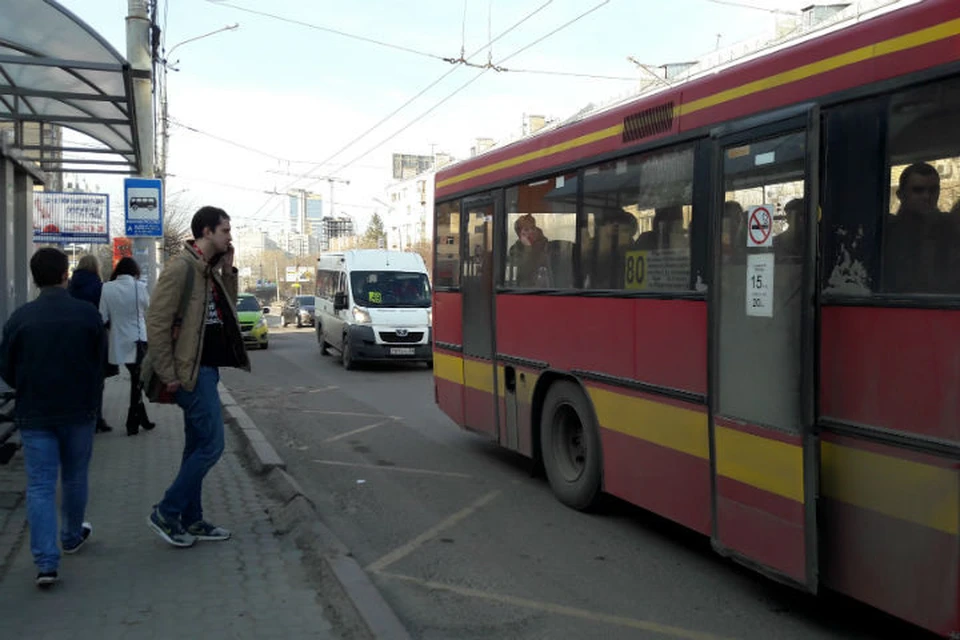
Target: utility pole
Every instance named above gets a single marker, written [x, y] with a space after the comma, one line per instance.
[140, 56]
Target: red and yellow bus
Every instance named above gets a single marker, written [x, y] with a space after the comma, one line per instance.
[735, 302]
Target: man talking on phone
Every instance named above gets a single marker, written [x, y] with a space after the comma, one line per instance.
[192, 331]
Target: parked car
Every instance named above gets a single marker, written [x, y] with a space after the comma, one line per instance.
[253, 321]
[298, 310]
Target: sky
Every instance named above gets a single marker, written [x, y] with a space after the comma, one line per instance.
[255, 108]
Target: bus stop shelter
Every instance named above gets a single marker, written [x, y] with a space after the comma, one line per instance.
[55, 73]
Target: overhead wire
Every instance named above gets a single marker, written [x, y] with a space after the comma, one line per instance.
[463, 60]
[537, 10]
[390, 115]
[463, 31]
[571, 74]
[471, 81]
[253, 150]
[317, 27]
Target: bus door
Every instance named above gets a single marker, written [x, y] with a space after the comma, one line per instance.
[479, 372]
[764, 457]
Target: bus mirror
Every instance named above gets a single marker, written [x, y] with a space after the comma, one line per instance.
[339, 301]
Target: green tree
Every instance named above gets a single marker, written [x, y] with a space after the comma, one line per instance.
[375, 235]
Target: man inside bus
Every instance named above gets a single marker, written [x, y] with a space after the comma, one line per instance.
[912, 236]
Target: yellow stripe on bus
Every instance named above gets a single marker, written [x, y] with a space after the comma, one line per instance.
[672, 427]
[770, 465]
[920, 493]
[560, 147]
[893, 45]
[447, 367]
[907, 41]
[478, 375]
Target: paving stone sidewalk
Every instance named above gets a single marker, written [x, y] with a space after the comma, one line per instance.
[127, 583]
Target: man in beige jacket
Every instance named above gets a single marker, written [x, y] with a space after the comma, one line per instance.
[187, 353]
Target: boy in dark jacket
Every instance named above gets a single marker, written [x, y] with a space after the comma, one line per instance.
[52, 349]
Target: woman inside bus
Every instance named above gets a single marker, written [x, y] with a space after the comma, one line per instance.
[528, 255]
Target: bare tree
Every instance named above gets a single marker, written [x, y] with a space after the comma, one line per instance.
[176, 229]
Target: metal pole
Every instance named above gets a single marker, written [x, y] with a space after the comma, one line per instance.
[139, 54]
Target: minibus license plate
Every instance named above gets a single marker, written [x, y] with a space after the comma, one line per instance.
[401, 351]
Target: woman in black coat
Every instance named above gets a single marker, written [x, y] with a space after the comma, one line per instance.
[86, 285]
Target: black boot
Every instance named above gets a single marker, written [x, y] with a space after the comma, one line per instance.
[133, 422]
[144, 421]
[103, 427]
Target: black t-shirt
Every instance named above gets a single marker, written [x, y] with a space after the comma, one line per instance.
[216, 352]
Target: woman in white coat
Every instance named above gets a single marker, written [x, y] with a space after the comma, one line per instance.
[123, 305]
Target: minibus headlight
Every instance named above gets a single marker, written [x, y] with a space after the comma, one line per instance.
[361, 316]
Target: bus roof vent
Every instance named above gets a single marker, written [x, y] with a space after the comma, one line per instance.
[649, 122]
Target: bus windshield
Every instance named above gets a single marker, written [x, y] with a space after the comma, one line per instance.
[390, 289]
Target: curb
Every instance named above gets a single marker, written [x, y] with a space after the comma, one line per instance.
[298, 516]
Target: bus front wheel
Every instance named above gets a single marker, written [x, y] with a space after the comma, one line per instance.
[570, 445]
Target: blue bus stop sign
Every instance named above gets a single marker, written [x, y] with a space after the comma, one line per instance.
[143, 207]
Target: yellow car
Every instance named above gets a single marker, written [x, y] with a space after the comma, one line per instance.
[253, 321]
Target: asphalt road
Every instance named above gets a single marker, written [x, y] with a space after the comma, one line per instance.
[465, 544]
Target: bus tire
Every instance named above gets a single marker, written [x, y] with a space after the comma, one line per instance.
[570, 446]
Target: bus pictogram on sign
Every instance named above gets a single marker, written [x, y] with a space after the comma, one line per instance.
[760, 226]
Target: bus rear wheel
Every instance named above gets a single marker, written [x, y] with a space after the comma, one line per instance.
[570, 445]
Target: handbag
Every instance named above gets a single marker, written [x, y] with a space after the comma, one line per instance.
[150, 383]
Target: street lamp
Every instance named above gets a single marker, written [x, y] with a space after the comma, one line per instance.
[164, 120]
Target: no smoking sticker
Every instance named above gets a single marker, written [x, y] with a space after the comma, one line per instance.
[760, 226]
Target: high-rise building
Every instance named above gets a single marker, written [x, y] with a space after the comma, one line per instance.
[306, 211]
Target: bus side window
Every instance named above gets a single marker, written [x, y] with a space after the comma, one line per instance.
[921, 227]
[541, 233]
[446, 270]
[643, 207]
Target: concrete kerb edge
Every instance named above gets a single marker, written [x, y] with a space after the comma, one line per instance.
[298, 516]
[12, 536]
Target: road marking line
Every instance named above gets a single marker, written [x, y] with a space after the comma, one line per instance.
[344, 413]
[356, 431]
[332, 387]
[408, 548]
[549, 607]
[451, 474]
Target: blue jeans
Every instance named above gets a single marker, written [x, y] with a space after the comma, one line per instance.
[203, 431]
[45, 451]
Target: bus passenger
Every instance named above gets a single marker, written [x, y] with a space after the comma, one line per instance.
[615, 236]
[790, 242]
[528, 255]
[910, 237]
[734, 234]
[667, 225]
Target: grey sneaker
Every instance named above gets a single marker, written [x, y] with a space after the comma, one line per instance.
[85, 531]
[202, 530]
[170, 530]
